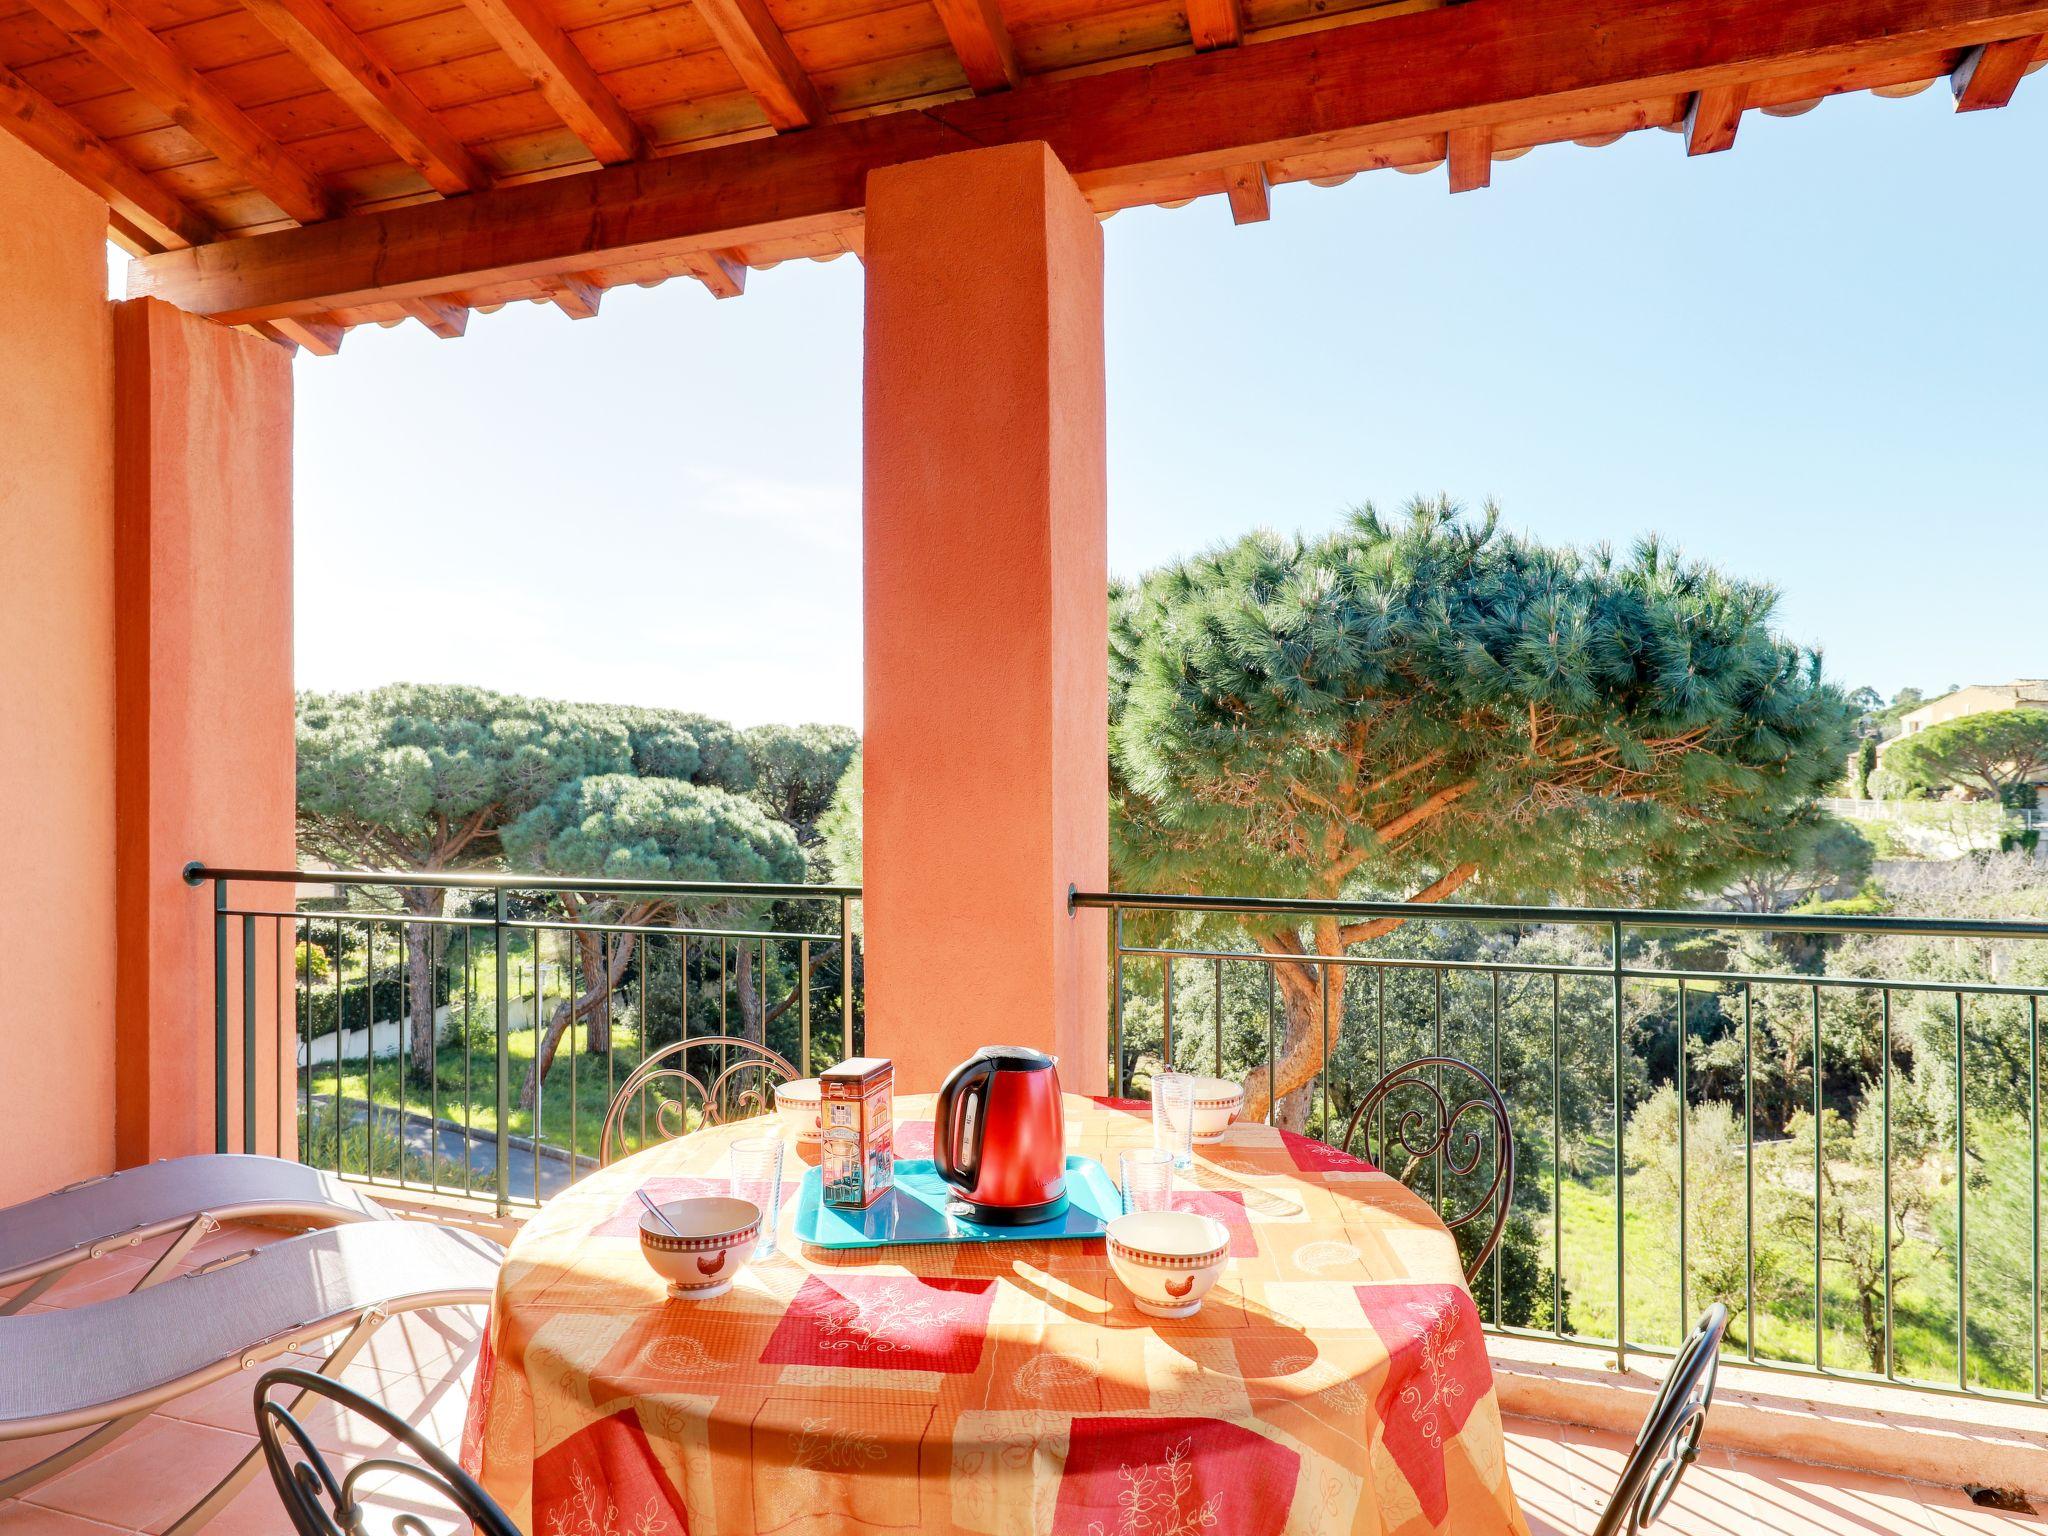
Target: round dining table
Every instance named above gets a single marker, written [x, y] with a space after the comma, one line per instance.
[1335, 1380]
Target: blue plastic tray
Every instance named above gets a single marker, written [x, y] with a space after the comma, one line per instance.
[914, 1211]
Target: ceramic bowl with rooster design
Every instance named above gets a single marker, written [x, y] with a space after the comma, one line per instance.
[713, 1236]
[1217, 1102]
[1168, 1260]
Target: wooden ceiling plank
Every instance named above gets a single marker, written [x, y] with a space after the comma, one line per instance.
[1712, 117]
[982, 42]
[387, 106]
[719, 272]
[544, 53]
[83, 156]
[1251, 196]
[1468, 152]
[1330, 92]
[445, 320]
[119, 40]
[316, 336]
[1988, 75]
[760, 53]
[1215, 24]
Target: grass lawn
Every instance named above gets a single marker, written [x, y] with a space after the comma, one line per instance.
[1999, 1291]
[573, 1100]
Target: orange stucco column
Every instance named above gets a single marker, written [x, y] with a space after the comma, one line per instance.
[56, 680]
[203, 690]
[986, 615]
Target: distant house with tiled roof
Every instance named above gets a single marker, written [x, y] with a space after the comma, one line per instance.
[1977, 699]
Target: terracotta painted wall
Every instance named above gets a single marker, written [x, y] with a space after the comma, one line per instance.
[203, 577]
[986, 614]
[57, 953]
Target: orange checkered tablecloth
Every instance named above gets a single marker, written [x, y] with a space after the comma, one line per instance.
[1335, 1380]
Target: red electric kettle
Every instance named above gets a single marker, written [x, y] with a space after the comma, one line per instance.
[1000, 1138]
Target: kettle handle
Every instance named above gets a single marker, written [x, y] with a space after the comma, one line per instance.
[970, 1079]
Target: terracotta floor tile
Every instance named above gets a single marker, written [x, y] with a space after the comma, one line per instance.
[150, 1477]
[21, 1519]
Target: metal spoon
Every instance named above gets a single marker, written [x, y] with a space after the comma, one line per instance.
[655, 1210]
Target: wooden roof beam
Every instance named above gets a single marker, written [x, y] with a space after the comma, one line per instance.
[316, 336]
[723, 274]
[761, 55]
[536, 42]
[981, 42]
[1215, 24]
[1251, 196]
[445, 320]
[576, 297]
[1712, 117]
[1469, 153]
[1987, 75]
[387, 106]
[78, 152]
[120, 41]
[1337, 92]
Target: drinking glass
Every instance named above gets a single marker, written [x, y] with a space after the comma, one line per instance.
[1173, 1116]
[757, 1176]
[1147, 1176]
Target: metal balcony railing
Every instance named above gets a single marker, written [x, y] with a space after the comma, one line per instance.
[584, 977]
[1830, 1123]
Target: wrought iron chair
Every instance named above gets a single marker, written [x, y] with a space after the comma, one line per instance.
[1669, 1441]
[742, 1086]
[1423, 1123]
[322, 1505]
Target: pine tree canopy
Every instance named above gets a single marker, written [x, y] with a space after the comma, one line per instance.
[1414, 706]
[1997, 751]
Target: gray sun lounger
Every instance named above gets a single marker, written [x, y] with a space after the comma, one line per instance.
[104, 1367]
[41, 1239]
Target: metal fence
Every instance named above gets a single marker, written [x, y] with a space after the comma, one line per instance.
[588, 975]
[1708, 1106]
[1832, 1124]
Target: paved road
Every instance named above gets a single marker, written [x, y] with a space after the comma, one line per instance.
[423, 1136]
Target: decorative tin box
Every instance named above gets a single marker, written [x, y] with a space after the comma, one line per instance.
[857, 1156]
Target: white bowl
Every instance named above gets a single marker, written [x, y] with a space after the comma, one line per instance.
[797, 1102]
[714, 1235]
[1217, 1101]
[1168, 1260]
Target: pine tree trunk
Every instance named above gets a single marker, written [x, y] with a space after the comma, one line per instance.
[589, 1005]
[422, 957]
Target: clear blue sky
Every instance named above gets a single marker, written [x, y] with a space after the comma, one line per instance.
[1817, 360]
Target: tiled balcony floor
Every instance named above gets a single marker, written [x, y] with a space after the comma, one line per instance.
[421, 1366]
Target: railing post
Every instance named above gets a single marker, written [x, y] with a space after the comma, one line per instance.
[503, 1176]
[248, 1034]
[847, 1047]
[1620, 1174]
[1116, 1008]
[220, 1015]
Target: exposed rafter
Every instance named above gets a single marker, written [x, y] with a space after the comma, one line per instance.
[60, 138]
[317, 337]
[761, 55]
[576, 297]
[981, 42]
[445, 320]
[1215, 24]
[324, 43]
[1251, 199]
[1469, 152]
[536, 42]
[722, 274]
[1712, 117]
[1987, 76]
[1325, 102]
[120, 41]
